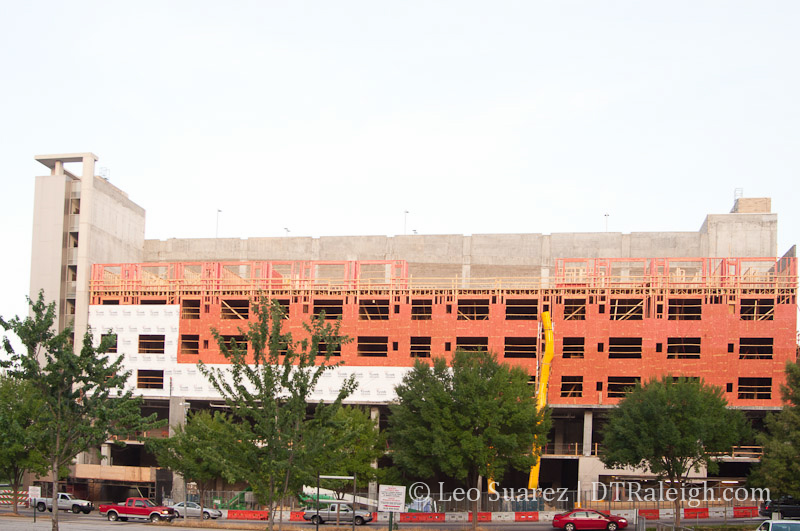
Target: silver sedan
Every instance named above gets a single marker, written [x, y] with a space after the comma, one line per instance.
[193, 509]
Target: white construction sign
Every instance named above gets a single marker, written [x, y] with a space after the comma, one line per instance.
[391, 498]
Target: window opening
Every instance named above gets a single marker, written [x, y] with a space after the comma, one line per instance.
[619, 386]
[372, 346]
[331, 307]
[626, 310]
[757, 310]
[755, 388]
[473, 309]
[149, 379]
[190, 309]
[151, 344]
[571, 386]
[420, 347]
[190, 344]
[474, 344]
[683, 348]
[520, 347]
[573, 347]
[574, 309]
[522, 310]
[755, 348]
[625, 347]
[235, 309]
[685, 309]
[373, 309]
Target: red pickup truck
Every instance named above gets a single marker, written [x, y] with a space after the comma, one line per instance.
[137, 508]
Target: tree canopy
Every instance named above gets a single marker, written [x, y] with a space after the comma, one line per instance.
[200, 449]
[21, 410]
[779, 469]
[476, 418]
[267, 384]
[344, 443]
[82, 393]
[669, 427]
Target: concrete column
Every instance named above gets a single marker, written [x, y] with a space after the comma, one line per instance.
[105, 454]
[587, 432]
[374, 414]
[85, 225]
[178, 408]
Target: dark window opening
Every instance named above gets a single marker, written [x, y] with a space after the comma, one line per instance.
[474, 344]
[235, 309]
[447, 346]
[373, 347]
[285, 305]
[522, 309]
[421, 309]
[599, 386]
[755, 348]
[373, 309]
[755, 388]
[153, 302]
[685, 309]
[571, 386]
[110, 302]
[190, 344]
[574, 309]
[619, 386]
[332, 307]
[626, 310]
[149, 379]
[420, 347]
[239, 340]
[473, 309]
[757, 310]
[683, 348]
[625, 347]
[520, 347]
[151, 344]
[600, 347]
[573, 347]
[729, 387]
[190, 309]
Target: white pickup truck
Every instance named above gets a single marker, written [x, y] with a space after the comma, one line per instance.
[65, 503]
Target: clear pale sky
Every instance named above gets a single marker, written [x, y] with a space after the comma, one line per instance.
[336, 117]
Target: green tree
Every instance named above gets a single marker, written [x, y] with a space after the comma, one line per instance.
[82, 398]
[345, 443]
[671, 426]
[199, 450]
[20, 415]
[476, 418]
[268, 389]
[779, 469]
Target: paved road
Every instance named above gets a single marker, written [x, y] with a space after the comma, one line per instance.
[94, 522]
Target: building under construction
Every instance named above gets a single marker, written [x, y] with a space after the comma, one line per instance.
[716, 304]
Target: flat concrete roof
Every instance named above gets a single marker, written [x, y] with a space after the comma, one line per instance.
[50, 160]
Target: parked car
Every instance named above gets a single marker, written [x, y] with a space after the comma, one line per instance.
[136, 508]
[779, 525]
[588, 519]
[193, 509]
[328, 512]
[65, 503]
[786, 506]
